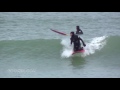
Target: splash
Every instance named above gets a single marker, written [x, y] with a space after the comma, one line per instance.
[67, 48]
[96, 43]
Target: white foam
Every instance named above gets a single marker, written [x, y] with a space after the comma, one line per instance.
[96, 43]
[67, 48]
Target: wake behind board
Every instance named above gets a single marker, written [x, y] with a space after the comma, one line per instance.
[80, 51]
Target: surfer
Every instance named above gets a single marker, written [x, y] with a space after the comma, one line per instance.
[78, 30]
[76, 40]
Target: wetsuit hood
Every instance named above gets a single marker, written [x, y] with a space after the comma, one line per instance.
[72, 33]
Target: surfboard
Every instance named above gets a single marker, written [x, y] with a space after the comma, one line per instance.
[80, 51]
[58, 32]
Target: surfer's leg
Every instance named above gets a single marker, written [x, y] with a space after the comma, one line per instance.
[76, 47]
[79, 46]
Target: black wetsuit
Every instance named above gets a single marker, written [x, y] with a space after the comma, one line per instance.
[79, 31]
[76, 40]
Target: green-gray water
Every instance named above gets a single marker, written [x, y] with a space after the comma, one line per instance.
[28, 48]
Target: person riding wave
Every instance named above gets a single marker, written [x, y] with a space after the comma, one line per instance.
[76, 40]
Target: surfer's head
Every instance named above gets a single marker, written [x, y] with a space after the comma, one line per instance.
[77, 27]
[71, 33]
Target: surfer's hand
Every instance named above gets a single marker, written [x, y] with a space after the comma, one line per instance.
[84, 44]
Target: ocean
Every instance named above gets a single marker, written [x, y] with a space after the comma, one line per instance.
[29, 49]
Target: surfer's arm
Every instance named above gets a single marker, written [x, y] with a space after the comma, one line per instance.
[81, 32]
[82, 42]
[71, 41]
